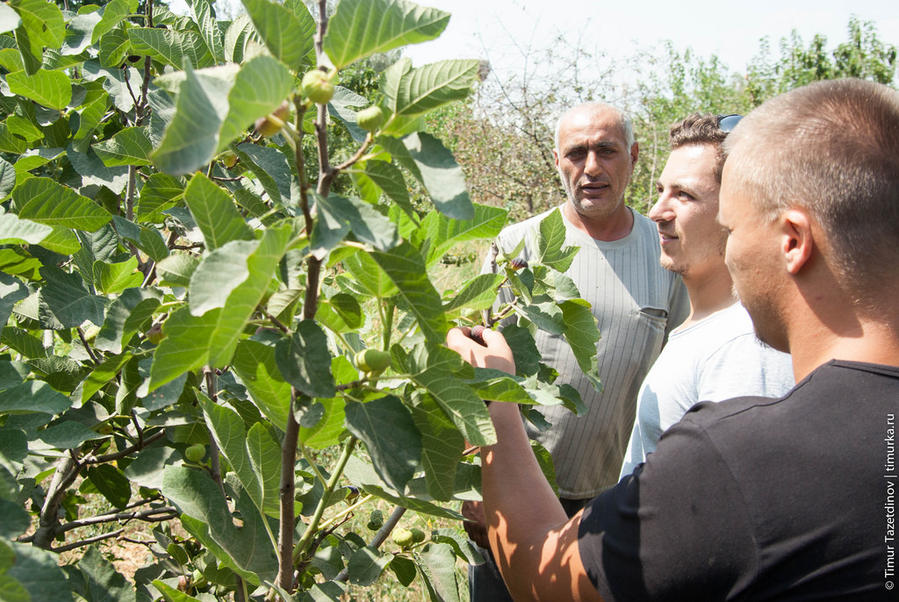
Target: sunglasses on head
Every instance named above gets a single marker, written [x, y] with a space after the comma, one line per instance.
[726, 123]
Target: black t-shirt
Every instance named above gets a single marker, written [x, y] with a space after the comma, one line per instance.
[759, 499]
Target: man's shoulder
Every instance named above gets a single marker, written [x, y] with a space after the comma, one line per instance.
[839, 381]
[520, 229]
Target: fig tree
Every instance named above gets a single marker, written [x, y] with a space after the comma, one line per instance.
[317, 86]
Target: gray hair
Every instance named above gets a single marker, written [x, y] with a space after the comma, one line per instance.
[831, 147]
[624, 121]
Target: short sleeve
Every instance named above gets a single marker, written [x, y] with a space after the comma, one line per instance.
[676, 529]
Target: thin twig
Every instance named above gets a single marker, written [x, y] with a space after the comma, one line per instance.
[379, 538]
[153, 515]
[90, 351]
[125, 452]
[301, 547]
[88, 541]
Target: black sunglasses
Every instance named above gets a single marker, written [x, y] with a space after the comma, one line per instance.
[726, 123]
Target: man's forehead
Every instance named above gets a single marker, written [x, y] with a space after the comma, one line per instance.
[693, 163]
[591, 133]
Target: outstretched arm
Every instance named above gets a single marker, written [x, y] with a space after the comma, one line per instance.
[534, 543]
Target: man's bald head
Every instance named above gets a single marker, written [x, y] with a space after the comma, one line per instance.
[627, 127]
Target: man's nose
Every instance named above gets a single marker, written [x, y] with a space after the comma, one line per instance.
[661, 211]
[592, 165]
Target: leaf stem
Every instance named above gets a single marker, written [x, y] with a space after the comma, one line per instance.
[312, 527]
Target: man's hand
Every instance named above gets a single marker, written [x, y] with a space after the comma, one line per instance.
[475, 522]
[494, 353]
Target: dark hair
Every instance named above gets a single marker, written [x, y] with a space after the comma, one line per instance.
[831, 147]
[700, 128]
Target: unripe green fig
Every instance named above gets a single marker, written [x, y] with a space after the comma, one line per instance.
[403, 537]
[155, 334]
[317, 86]
[418, 535]
[376, 520]
[370, 119]
[195, 452]
[229, 159]
[272, 123]
[372, 360]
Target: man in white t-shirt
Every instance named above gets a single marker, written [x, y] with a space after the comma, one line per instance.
[714, 355]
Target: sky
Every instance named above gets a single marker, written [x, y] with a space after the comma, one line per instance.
[506, 31]
[502, 30]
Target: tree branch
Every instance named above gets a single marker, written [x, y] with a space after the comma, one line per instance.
[312, 527]
[88, 541]
[287, 490]
[215, 469]
[125, 452]
[153, 515]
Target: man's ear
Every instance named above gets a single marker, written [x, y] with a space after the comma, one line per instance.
[635, 152]
[556, 157]
[797, 240]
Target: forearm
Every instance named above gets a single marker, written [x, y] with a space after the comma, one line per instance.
[530, 535]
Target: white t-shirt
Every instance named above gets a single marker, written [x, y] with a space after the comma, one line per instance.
[715, 359]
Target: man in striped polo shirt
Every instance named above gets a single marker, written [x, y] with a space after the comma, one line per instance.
[636, 303]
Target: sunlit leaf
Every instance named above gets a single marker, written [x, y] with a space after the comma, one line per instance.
[360, 28]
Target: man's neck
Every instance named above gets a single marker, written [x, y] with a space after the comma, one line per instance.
[845, 334]
[612, 227]
[709, 292]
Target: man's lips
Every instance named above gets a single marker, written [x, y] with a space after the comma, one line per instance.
[666, 237]
[593, 187]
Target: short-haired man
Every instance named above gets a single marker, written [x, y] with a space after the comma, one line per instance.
[714, 355]
[754, 498]
[635, 301]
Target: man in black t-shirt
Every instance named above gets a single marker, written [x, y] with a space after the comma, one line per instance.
[753, 499]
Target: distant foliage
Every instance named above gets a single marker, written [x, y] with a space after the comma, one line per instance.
[504, 139]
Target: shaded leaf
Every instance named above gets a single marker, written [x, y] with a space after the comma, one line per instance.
[178, 48]
[406, 269]
[441, 175]
[257, 368]
[366, 565]
[305, 362]
[110, 482]
[192, 136]
[38, 572]
[442, 446]
[390, 435]
[130, 146]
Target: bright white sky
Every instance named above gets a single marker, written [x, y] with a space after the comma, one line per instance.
[498, 29]
[504, 31]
